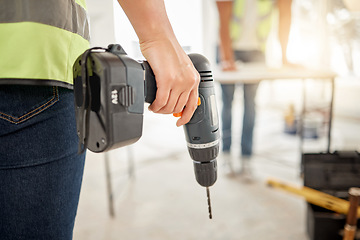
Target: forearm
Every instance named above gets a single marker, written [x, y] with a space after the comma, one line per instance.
[284, 25]
[176, 78]
[149, 19]
[225, 14]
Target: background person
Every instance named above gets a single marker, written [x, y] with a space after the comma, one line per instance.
[244, 26]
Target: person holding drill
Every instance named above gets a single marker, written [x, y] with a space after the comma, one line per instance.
[244, 26]
[40, 169]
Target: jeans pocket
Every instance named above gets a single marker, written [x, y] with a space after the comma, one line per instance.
[19, 103]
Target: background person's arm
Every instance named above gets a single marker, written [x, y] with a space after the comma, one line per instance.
[226, 52]
[177, 79]
[284, 26]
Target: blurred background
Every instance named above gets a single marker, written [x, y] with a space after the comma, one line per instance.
[155, 195]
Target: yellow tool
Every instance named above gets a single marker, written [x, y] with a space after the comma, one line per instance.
[315, 197]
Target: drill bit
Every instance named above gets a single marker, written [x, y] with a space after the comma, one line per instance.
[208, 200]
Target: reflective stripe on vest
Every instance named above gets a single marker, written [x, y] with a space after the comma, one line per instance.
[41, 39]
[264, 10]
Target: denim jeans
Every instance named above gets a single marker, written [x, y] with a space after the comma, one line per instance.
[249, 107]
[40, 170]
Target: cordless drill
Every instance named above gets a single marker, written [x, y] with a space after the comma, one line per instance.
[110, 91]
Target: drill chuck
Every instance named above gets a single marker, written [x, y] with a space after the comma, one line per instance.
[206, 173]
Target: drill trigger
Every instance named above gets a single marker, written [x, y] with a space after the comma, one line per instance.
[180, 113]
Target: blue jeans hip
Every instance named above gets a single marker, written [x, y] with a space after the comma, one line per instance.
[37, 125]
[40, 170]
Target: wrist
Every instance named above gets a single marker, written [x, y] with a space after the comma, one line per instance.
[155, 32]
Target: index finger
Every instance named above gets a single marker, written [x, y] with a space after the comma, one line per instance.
[189, 109]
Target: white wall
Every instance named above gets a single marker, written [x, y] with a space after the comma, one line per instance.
[109, 24]
[101, 22]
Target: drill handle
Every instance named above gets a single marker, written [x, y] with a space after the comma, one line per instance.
[150, 83]
[201, 64]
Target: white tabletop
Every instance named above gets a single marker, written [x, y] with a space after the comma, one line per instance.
[251, 73]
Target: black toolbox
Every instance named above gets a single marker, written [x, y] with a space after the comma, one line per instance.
[332, 173]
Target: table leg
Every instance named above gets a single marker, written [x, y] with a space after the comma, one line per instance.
[331, 113]
[109, 185]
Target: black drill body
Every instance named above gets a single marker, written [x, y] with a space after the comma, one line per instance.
[110, 91]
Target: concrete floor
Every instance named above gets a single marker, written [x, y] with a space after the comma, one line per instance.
[162, 199]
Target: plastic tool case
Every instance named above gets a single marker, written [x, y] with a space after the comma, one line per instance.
[332, 173]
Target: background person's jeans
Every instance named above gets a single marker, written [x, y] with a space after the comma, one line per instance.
[249, 107]
[40, 170]
[248, 117]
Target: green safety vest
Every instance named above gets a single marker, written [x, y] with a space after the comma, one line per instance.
[263, 27]
[41, 39]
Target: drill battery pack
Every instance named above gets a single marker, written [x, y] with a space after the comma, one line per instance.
[109, 99]
[332, 173]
